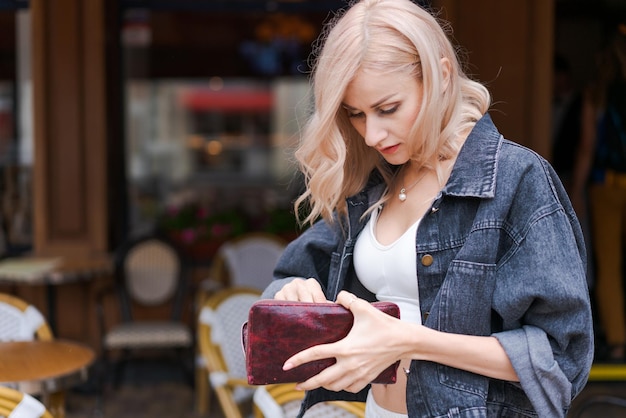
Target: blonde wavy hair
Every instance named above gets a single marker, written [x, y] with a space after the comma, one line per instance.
[384, 36]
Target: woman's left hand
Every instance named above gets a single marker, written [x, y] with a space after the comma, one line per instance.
[362, 355]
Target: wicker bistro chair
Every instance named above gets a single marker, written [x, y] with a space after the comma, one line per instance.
[245, 261]
[21, 321]
[150, 272]
[283, 401]
[16, 404]
[219, 337]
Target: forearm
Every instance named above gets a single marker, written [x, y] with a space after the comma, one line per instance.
[481, 355]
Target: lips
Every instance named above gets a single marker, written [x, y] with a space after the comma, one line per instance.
[389, 150]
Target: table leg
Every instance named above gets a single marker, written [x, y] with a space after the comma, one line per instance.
[56, 404]
[51, 301]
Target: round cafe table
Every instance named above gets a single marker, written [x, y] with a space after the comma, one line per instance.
[46, 368]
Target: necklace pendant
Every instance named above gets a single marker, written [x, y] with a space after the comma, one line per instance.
[402, 195]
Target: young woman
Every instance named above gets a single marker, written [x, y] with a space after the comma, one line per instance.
[416, 198]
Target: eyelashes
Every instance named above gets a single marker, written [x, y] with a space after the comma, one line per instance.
[352, 115]
[381, 111]
[389, 111]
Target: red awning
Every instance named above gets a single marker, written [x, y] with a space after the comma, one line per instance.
[228, 101]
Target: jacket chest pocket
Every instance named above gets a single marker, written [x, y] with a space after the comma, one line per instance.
[463, 303]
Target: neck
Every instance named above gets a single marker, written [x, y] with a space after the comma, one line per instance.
[412, 172]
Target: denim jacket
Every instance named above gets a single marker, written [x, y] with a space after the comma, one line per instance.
[499, 252]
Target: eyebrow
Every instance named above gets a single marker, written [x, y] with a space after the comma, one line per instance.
[375, 105]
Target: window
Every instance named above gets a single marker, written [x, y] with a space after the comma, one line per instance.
[16, 150]
[215, 97]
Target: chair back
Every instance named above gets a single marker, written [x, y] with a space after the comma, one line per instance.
[248, 260]
[219, 336]
[150, 271]
[21, 321]
[283, 401]
[16, 404]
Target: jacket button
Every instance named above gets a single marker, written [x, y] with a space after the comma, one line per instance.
[425, 316]
[427, 260]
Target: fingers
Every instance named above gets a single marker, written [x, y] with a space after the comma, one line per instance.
[335, 380]
[334, 377]
[317, 352]
[347, 299]
[302, 290]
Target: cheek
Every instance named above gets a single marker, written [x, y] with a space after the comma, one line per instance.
[404, 126]
[410, 117]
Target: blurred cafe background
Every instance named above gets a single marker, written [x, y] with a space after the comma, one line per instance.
[119, 117]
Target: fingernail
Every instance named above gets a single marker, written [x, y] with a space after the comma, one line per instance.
[287, 366]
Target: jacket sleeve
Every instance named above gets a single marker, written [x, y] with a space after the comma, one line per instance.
[308, 256]
[542, 296]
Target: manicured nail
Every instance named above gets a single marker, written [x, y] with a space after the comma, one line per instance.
[287, 366]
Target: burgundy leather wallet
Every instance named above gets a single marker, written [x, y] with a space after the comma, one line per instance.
[276, 330]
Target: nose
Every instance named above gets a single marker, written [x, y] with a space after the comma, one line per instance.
[374, 132]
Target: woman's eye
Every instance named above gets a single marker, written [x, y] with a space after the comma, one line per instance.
[352, 114]
[388, 110]
[355, 114]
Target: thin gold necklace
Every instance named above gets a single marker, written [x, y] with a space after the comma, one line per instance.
[402, 195]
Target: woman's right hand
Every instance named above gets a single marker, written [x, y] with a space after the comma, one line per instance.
[302, 290]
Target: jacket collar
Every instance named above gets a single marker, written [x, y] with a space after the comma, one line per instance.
[474, 172]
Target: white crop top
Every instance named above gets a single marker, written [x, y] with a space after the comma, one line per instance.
[389, 271]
